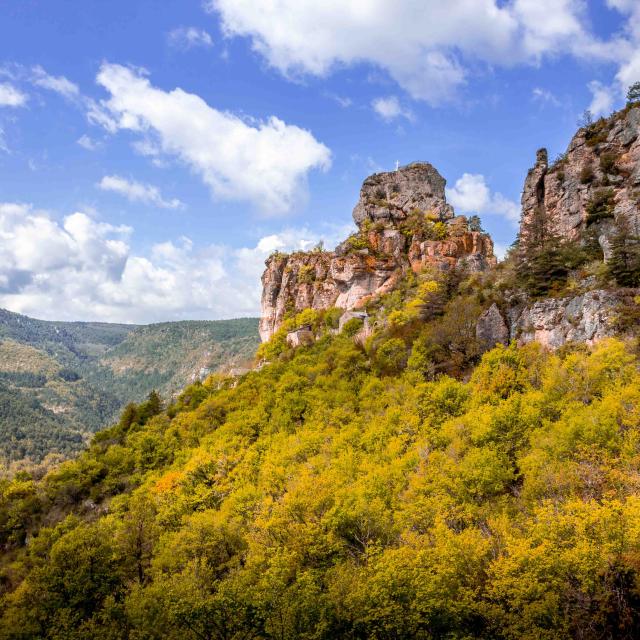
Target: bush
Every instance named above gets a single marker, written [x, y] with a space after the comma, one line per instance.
[351, 327]
[597, 132]
[391, 357]
[608, 163]
[357, 243]
[306, 274]
[601, 206]
[586, 174]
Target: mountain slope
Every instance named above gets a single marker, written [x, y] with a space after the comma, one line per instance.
[384, 473]
[334, 494]
[62, 381]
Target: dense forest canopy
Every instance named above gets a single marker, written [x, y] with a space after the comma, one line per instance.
[343, 491]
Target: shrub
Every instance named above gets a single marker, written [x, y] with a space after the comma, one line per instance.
[306, 273]
[391, 356]
[608, 163]
[351, 327]
[357, 243]
[601, 206]
[586, 174]
[596, 132]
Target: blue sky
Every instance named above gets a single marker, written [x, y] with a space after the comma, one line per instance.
[152, 154]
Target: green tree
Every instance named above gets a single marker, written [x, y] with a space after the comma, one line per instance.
[633, 93]
[475, 224]
[624, 263]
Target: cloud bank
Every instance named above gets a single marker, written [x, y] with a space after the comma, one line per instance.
[427, 47]
[84, 269]
[471, 194]
[138, 192]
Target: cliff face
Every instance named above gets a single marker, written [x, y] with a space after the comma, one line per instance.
[404, 222]
[593, 185]
[553, 322]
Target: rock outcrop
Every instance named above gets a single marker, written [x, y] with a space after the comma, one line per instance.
[593, 185]
[404, 222]
[491, 329]
[553, 322]
[392, 196]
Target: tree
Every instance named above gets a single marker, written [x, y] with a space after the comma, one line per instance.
[475, 224]
[633, 94]
[624, 263]
[586, 119]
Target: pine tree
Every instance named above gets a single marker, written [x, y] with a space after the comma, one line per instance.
[633, 94]
[624, 263]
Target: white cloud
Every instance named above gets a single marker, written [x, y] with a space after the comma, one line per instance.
[263, 162]
[11, 96]
[58, 84]
[138, 192]
[81, 268]
[426, 47]
[603, 98]
[87, 143]
[389, 108]
[189, 37]
[545, 96]
[470, 194]
[629, 71]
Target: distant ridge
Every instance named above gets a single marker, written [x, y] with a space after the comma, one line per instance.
[62, 381]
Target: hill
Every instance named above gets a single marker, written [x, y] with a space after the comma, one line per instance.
[62, 381]
[430, 446]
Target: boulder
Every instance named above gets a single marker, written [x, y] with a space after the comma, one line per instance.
[491, 329]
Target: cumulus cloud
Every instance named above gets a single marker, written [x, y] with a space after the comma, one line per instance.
[189, 37]
[11, 96]
[425, 46]
[471, 194]
[81, 268]
[58, 84]
[263, 162]
[138, 192]
[389, 108]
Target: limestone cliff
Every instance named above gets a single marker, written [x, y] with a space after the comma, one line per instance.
[593, 185]
[404, 222]
[586, 194]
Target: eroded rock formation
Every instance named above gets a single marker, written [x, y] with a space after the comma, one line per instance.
[404, 222]
[593, 185]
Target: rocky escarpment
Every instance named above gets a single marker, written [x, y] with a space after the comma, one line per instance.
[591, 187]
[554, 322]
[404, 222]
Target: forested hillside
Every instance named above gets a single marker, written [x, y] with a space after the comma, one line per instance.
[430, 445]
[62, 381]
[393, 487]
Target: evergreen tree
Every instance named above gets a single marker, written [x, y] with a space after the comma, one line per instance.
[633, 94]
[475, 224]
[624, 263]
